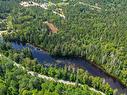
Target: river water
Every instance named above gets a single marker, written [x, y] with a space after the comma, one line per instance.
[43, 56]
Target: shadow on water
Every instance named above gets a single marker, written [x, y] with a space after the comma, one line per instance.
[40, 55]
[43, 56]
[95, 71]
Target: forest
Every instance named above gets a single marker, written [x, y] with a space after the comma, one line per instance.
[94, 30]
[15, 81]
[24, 58]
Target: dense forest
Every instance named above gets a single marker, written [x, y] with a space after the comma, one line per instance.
[92, 29]
[24, 58]
[15, 81]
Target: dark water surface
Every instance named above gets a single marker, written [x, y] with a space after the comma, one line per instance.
[43, 56]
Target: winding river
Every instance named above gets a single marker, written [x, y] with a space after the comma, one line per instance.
[43, 56]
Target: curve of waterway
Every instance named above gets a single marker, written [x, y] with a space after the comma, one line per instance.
[43, 56]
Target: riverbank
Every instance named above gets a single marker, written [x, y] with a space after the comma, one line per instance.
[94, 69]
[50, 78]
[75, 57]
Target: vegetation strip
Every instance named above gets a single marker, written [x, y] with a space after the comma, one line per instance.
[50, 78]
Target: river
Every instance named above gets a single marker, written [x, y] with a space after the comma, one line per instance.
[42, 56]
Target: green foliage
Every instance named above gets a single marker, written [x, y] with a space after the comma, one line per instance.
[66, 73]
[16, 81]
[98, 36]
[94, 34]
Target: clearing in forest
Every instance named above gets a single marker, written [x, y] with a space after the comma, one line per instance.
[51, 27]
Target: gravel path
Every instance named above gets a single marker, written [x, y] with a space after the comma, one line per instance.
[44, 6]
[50, 78]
